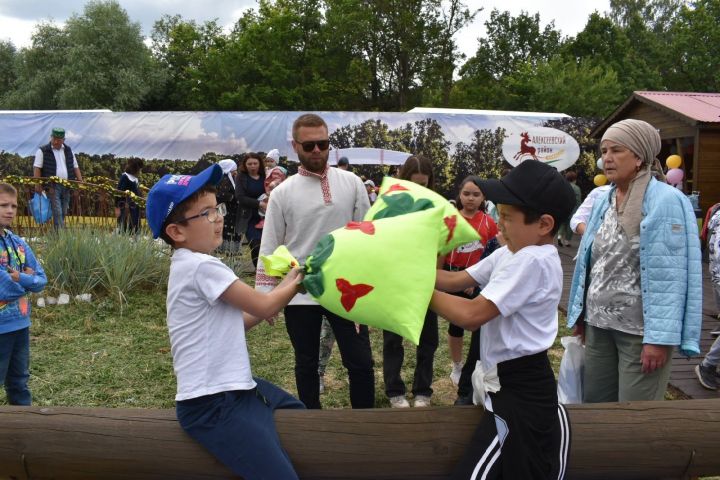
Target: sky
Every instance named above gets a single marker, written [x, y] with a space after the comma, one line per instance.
[19, 17]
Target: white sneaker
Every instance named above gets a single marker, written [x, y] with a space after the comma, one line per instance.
[421, 401]
[399, 401]
[456, 372]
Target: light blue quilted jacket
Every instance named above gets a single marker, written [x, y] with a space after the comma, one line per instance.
[670, 268]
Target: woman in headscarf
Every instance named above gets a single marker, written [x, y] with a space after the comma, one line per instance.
[226, 194]
[636, 291]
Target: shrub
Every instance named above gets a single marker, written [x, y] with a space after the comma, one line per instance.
[103, 263]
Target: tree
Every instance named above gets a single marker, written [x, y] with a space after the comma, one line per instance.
[438, 75]
[607, 44]
[107, 65]
[511, 43]
[182, 49]
[402, 49]
[8, 55]
[695, 51]
[98, 60]
[581, 89]
[38, 81]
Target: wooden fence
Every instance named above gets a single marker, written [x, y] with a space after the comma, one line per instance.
[639, 440]
[92, 205]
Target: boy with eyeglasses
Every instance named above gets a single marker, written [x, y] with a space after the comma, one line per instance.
[20, 274]
[218, 403]
[302, 210]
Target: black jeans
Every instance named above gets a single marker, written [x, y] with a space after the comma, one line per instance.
[465, 387]
[303, 326]
[394, 354]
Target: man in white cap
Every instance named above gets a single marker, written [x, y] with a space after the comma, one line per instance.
[55, 159]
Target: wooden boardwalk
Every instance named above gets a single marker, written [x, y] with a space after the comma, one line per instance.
[682, 377]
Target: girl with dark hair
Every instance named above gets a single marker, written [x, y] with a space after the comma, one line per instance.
[127, 211]
[249, 186]
[418, 169]
[472, 205]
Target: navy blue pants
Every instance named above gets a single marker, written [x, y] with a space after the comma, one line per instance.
[238, 428]
[15, 365]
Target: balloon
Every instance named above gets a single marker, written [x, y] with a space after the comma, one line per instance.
[599, 163]
[674, 176]
[673, 161]
[600, 180]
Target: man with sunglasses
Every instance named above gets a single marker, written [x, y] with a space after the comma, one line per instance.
[302, 210]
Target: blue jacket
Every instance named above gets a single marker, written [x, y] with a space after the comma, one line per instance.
[14, 296]
[670, 268]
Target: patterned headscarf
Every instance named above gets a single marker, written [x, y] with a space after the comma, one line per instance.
[644, 141]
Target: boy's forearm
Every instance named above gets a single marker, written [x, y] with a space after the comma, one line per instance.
[453, 281]
[463, 312]
[250, 320]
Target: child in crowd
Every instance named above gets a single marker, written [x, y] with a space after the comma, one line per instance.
[273, 178]
[706, 371]
[471, 203]
[417, 169]
[127, 211]
[218, 402]
[527, 435]
[20, 274]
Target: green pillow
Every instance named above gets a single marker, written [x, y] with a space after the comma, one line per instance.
[399, 197]
[378, 273]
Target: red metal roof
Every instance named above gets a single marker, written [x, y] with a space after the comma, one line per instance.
[701, 107]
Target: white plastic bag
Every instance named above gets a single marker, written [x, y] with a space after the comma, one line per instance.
[572, 366]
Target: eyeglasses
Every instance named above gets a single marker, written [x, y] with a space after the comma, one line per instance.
[213, 214]
[322, 145]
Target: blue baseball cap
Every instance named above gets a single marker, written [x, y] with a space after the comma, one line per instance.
[170, 190]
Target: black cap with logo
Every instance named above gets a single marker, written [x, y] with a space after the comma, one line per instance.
[536, 185]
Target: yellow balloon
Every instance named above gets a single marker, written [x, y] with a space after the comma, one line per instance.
[600, 180]
[673, 161]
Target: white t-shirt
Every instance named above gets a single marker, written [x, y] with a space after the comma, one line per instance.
[60, 166]
[302, 210]
[207, 335]
[526, 288]
[582, 214]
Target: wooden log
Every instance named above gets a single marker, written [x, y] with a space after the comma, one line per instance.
[643, 440]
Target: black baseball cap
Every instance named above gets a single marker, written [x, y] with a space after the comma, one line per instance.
[535, 185]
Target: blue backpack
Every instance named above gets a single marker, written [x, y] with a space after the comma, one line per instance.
[40, 208]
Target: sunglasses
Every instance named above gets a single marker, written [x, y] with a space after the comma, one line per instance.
[322, 145]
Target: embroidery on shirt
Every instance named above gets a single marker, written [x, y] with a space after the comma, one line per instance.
[324, 184]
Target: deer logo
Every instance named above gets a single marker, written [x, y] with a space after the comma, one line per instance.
[525, 149]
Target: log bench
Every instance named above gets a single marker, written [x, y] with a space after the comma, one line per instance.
[641, 440]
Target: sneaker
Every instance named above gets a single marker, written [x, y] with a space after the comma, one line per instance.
[456, 372]
[399, 401]
[421, 401]
[322, 384]
[707, 376]
[464, 400]
[715, 333]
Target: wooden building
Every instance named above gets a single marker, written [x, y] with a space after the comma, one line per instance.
[689, 125]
